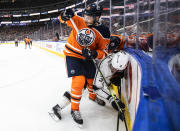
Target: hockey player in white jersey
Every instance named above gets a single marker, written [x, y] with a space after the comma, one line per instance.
[112, 69]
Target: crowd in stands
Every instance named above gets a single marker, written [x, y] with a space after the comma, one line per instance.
[54, 30]
[10, 33]
[36, 31]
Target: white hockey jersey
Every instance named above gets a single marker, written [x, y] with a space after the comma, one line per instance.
[104, 66]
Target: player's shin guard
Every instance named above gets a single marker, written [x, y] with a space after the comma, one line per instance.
[92, 95]
[76, 91]
[66, 99]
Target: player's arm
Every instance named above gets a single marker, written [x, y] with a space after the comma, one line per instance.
[98, 81]
[103, 41]
[66, 15]
[101, 49]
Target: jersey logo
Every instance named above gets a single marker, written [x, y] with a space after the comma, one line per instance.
[85, 37]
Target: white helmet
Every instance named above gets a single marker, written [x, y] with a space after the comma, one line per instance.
[120, 60]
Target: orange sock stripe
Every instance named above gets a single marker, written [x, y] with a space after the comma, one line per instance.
[75, 94]
[74, 101]
[75, 105]
[90, 90]
[75, 98]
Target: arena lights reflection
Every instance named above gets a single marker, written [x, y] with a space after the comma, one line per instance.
[16, 15]
[28, 21]
[6, 22]
[34, 14]
[47, 19]
[53, 11]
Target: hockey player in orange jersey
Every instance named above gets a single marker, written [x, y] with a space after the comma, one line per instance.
[81, 47]
[27, 42]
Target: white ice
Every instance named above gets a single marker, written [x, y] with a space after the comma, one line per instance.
[31, 82]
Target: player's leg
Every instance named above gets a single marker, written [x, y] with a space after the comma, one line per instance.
[25, 45]
[92, 95]
[29, 45]
[76, 70]
[90, 73]
[64, 102]
[76, 94]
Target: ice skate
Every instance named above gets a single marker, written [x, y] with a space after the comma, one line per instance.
[99, 101]
[56, 113]
[56, 110]
[77, 118]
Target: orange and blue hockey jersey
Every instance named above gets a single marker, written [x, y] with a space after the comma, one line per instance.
[97, 38]
[27, 40]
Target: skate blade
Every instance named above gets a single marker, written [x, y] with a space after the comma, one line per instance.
[77, 125]
[53, 116]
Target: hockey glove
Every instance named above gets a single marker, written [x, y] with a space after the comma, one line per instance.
[114, 105]
[88, 54]
[116, 79]
[114, 43]
[67, 14]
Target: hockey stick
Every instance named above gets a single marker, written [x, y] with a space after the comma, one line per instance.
[72, 21]
[108, 86]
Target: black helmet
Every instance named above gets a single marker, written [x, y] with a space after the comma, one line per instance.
[93, 10]
[114, 43]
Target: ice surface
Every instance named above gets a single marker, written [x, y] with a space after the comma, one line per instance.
[31, 82]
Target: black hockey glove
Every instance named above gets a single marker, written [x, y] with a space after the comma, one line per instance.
[89, 54]
[116, 79]
[114, 104]
[114, 43]
[67, 14]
